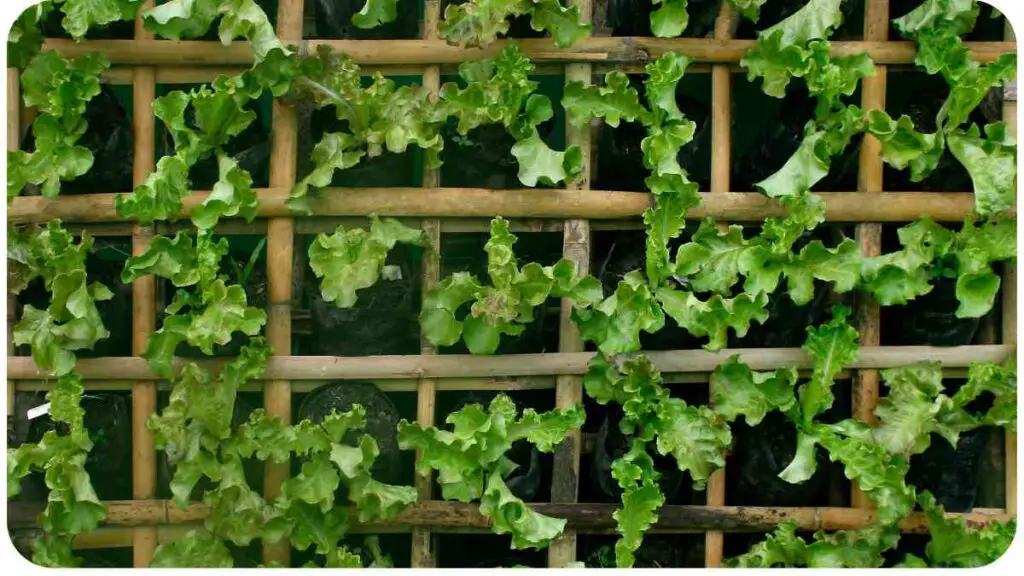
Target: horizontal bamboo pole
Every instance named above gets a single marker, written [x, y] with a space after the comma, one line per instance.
[556, 364]
[424, 52]
[399, 385]
[584, 517]
[523, 203]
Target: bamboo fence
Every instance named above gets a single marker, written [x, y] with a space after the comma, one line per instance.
[145, 62]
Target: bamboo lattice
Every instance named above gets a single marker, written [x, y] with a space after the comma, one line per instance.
[576, 212]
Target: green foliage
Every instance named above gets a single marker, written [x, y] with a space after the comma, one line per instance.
[505, 306]
[954, 545]
[471, 463]
[480, 22]
[208, 314]
[348, 261]
[190, 19]
[695, 436]
[81, 15]
[60, 89]
[375, 13]
[26, 39]
[196, 549]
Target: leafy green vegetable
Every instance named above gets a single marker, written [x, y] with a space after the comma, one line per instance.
[375, 13]
[194, 550]
[480, 22]
[60, 89]
[507, 304]
[471, 463]
[81, 15]
[954, 545]
[670, 19]
[185, 19]
[348, 261]
[749, 9]
[26, 39]
[696, 437]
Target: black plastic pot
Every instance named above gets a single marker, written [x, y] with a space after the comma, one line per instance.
[482, 158]
[786, 326]
[610, 444]
[381, 421]
[758, 455]
[109, 138]
[951, 475]
[253, 467]
[526, 479]
[108, 420]
[334, 20]
[931, 319]
[384, 319]
[633, 17]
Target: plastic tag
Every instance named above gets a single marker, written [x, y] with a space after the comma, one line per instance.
[41, 410]
[391, 273]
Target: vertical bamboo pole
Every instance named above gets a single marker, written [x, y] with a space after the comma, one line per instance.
[869, 235]
[13, 143]
[721, 164]
[144, 539]
[1009, 289]
[277, 395]
[569, 389]
[426, 389]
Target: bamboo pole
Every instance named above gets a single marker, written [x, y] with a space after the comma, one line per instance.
[590, 518]
[13, 143]
[426, 389]
[277, 400]
[457, 384]
[525, 203]
[604, 50]
[721, 165]
[144, 540]
[1009, 294]
[569, 389]
[556, 364]
[869, 234]
[178, 74]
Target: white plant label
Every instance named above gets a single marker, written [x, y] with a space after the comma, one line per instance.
[41, 410]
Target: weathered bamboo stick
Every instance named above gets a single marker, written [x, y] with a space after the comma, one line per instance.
[463, 384]
[721, 166]
[143, 302]
[557, 364]
[617, 50]
[581, 517]
[868, 234]
[13, 143]
[527, 203]
[177, 74]
[569, 389]
[426, 390]
[1009, 296]
[277, 399]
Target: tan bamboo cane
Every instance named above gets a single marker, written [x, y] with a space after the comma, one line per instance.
[595, 50]
[569, 389]
[144, 296]
[426, 388]
[13, 143]
[869, 235]
[1009, 296]
[277, 400]
[721, 164]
